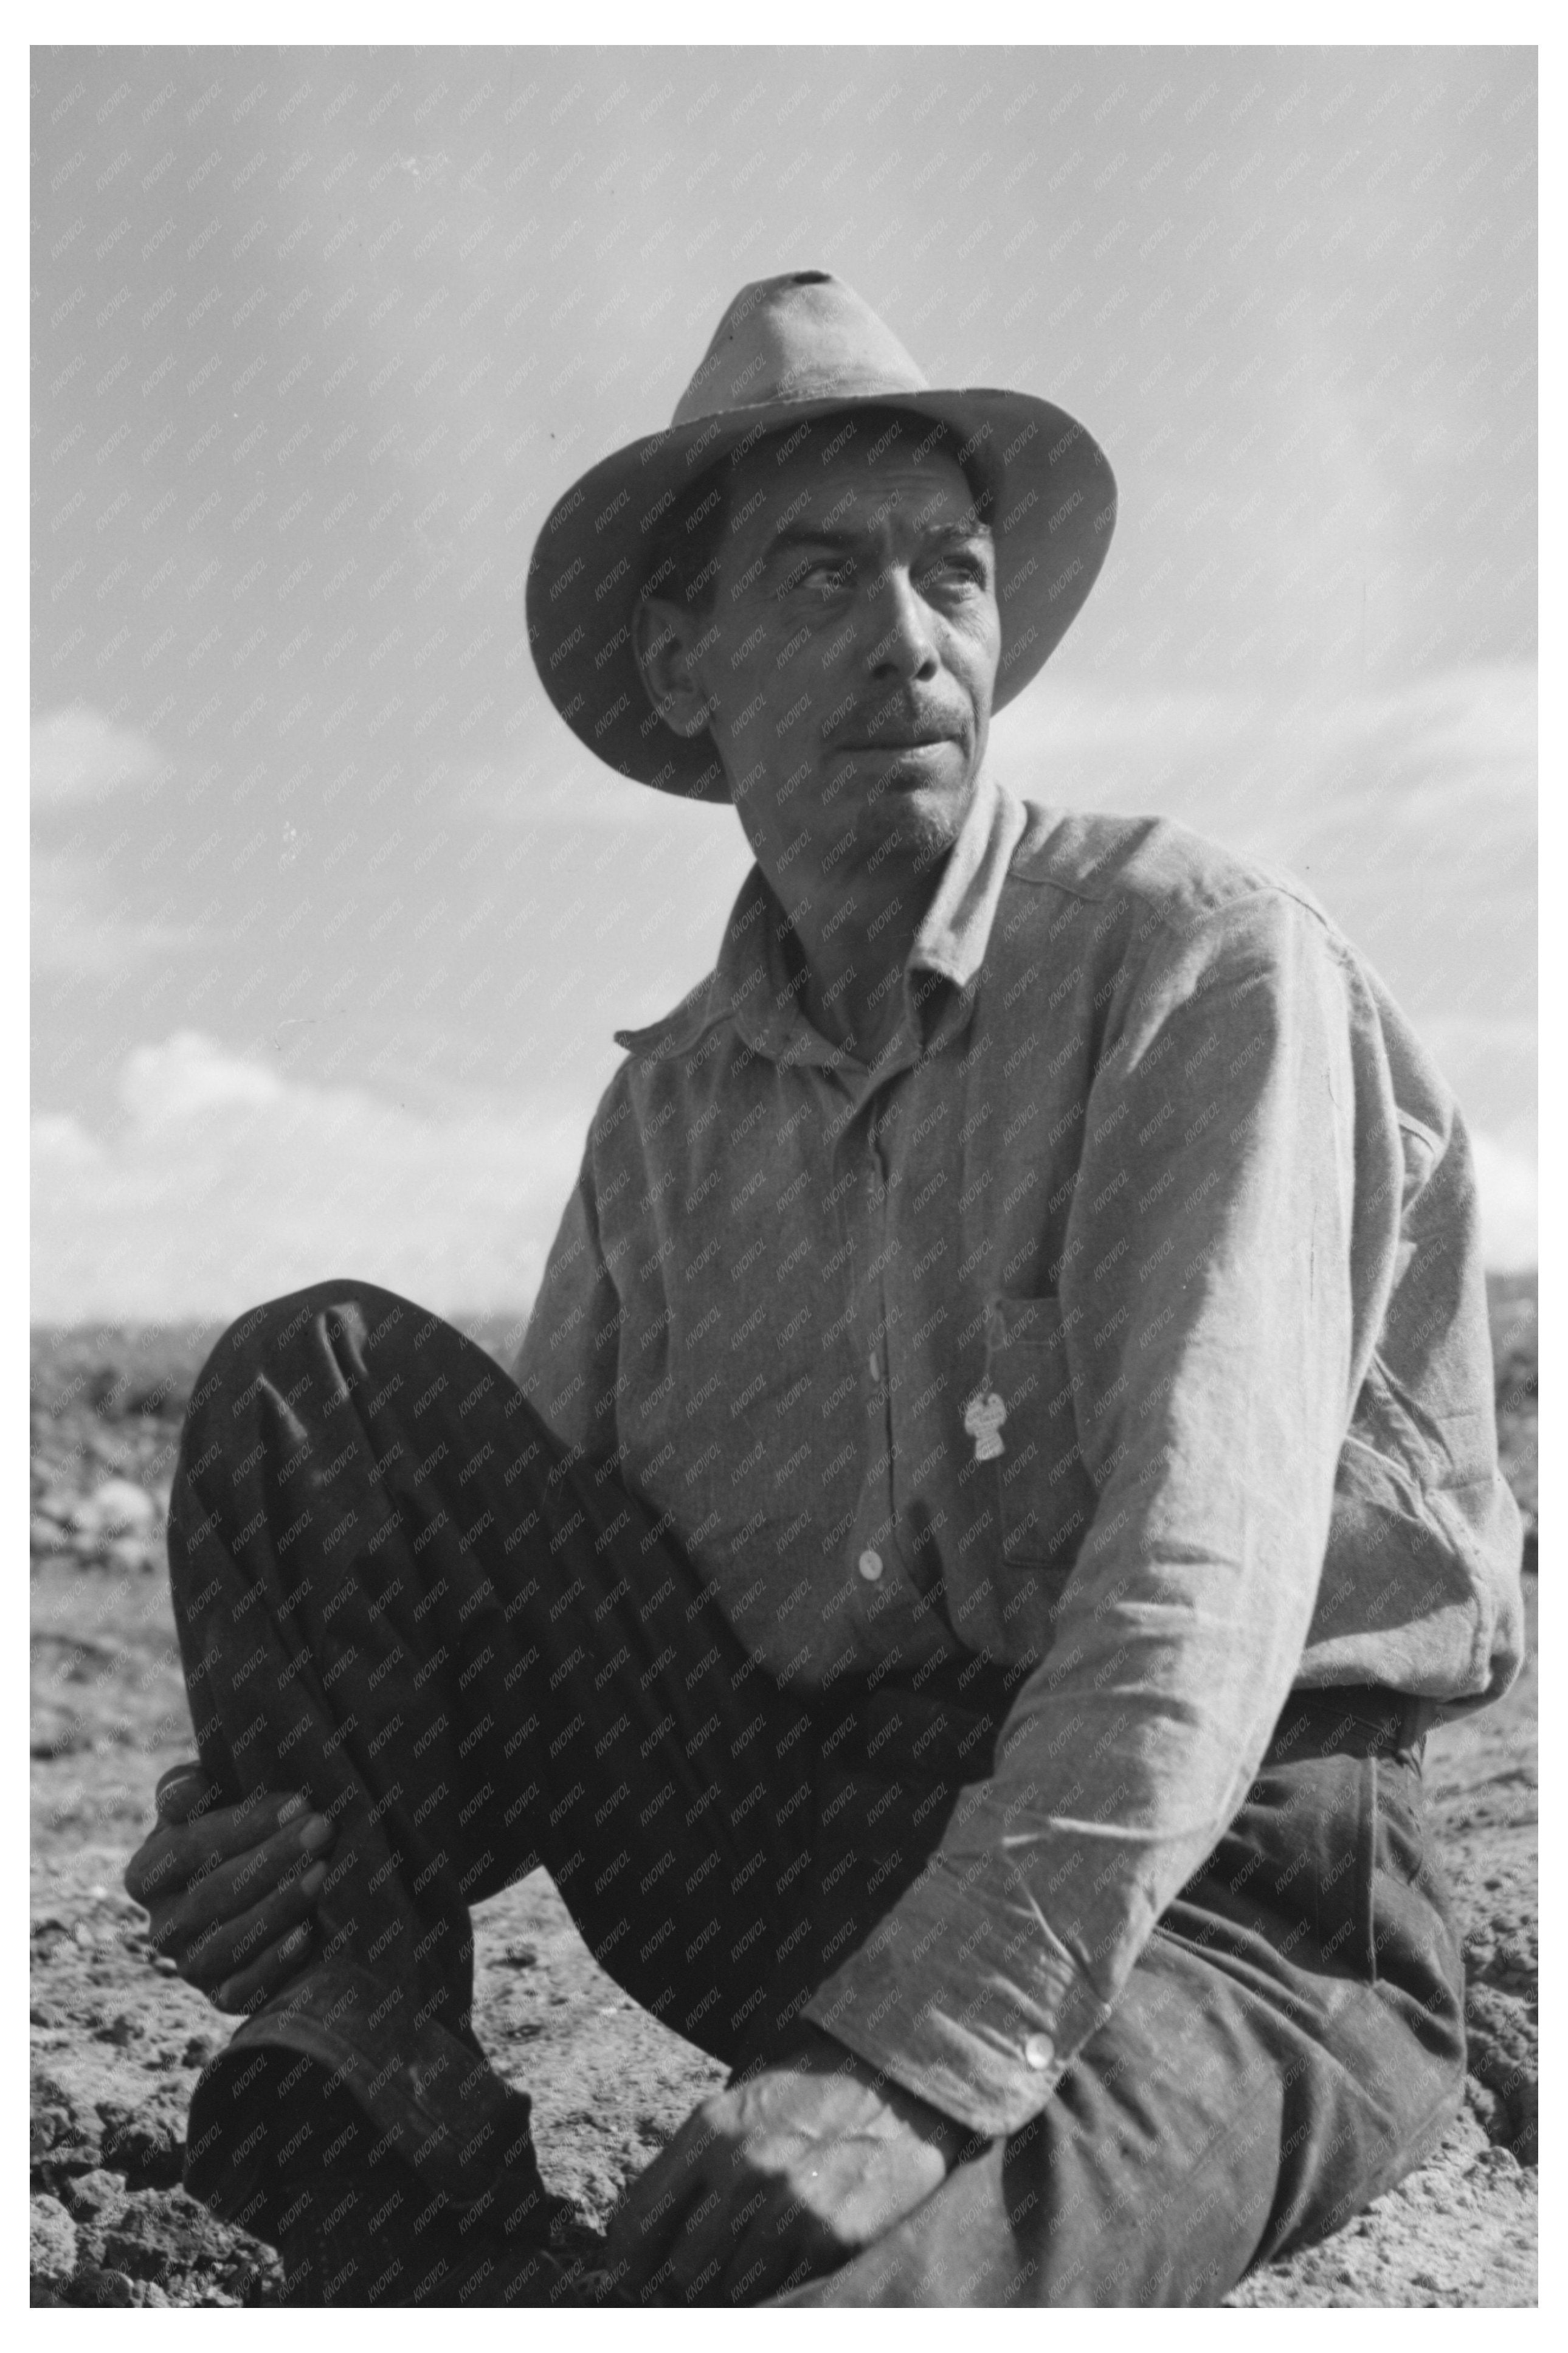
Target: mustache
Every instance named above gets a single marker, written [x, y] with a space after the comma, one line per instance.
[895, 723]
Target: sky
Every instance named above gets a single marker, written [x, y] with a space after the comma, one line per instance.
[333, 919]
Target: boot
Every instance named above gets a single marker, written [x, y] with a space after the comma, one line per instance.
[352, 2140]
[366, 2231]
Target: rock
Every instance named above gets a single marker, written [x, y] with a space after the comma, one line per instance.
[51, 2245]
[133, 1556]
[122, 2029]
[55, 1731]
[162, 2233]
[117, 1508]
[64, 2139]
[142, 2248]
[1490, 2111]
[145, 2146]
[1504, 2060]
[97, 2199]
[95, 2203]
[100, 2288]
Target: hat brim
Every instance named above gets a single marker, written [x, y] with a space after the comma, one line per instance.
[1052, 513]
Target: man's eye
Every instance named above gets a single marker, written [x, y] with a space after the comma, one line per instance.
[820, 577]
[969, 569]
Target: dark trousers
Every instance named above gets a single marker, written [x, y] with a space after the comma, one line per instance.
[397, 1591]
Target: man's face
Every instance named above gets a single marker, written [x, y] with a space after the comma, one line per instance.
[850, 653]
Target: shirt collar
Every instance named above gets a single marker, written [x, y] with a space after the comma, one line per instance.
[956, 932]
[751, 984]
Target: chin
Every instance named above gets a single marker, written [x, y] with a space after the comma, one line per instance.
[924, 812]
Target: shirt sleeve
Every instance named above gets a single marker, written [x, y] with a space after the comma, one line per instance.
[1238, 1131]
[568, 1363]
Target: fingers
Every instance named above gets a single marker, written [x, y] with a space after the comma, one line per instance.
[739, 2239]
[645, 2225]
[700, 2241]
[267, 1885]
[226, 1890]
[186, 1843]
[229, 1895]
[781, 2244]
[249, 1988]
[233, 1944]
[741, 2226]
[183, 1791]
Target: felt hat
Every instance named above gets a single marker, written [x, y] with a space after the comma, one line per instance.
[789, 350]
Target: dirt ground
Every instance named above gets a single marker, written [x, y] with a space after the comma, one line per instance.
[117, 2042]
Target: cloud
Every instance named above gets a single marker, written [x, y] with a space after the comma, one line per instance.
[1255, 769]
[1507, 1178]
[1490, 1062]
[163, 1086]
[80, 762]
[228, 1181]
[1460, 721]
[79, 757]
[77, 932]
[563, 786]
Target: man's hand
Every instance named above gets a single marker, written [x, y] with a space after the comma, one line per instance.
[231, 1889]
[774, 2180]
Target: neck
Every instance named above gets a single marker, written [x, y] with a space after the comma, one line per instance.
[852, 933]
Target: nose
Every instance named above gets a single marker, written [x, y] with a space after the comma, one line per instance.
[905, 648]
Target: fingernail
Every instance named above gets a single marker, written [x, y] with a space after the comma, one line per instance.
[292, 1810]
[316, 1833]
[310, 1883]
[296, 1941]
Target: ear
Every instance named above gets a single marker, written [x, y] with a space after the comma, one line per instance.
[665, 640]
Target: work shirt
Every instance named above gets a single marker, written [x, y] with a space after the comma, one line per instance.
[1154, 1162]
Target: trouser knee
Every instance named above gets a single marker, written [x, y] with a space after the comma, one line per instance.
[261, 1342]
[266, 1394]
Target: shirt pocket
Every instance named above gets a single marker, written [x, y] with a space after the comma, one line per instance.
[1044, 1494]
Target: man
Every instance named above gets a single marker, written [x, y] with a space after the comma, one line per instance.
[1000, 1483]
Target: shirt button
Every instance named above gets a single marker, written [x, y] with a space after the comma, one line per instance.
[871, 1565]
[1038, 2051]
[876, 1366]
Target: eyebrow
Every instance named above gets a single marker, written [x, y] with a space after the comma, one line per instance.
[795, 535]
[801, 536]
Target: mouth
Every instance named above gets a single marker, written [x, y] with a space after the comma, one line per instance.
[922, 740]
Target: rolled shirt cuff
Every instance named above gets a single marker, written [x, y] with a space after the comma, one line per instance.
[975, 2015]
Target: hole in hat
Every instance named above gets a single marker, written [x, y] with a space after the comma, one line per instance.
[810, 278]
